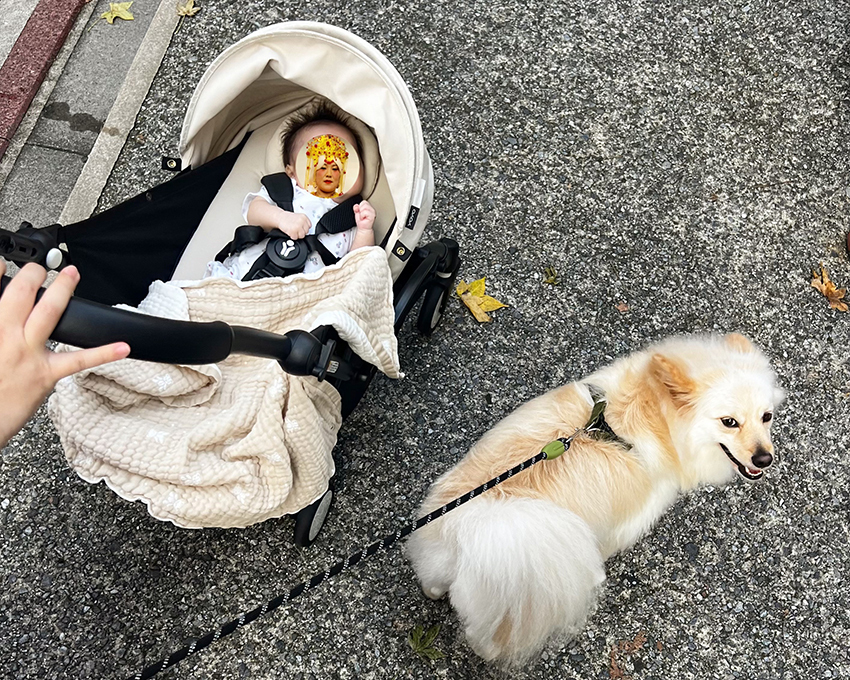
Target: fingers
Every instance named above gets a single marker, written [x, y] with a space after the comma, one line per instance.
[365, 210]
[364, 215]
[64, 364]
[19, 297]
[304, 227]
[295, 225]
[49, 309]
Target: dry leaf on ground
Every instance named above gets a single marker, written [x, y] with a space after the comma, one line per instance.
[822, 282]
[615, 671]
[118, 10]
[551, 276]
[472, 295]
[187, 9]
[622, 307]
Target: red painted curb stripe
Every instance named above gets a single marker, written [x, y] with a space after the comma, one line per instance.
[30, 58]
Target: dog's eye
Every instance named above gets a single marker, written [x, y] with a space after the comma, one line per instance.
[729, 422]
[767, 417]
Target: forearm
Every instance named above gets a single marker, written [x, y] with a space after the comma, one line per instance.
[263, 214]
[363, 238]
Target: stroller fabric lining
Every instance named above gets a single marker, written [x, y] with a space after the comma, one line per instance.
[235, 443]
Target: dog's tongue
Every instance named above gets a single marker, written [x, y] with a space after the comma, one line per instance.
[756, 473]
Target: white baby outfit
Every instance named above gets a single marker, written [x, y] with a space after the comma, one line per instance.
[314, 207]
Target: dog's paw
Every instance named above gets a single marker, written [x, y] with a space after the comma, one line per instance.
[434, 593]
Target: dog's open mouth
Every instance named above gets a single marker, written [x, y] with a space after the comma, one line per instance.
[746, 472]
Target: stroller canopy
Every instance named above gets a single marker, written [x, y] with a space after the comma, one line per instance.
[278, 69]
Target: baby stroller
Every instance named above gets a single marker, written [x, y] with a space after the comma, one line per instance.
[229, 140]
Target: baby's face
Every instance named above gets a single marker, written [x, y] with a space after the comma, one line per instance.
[327, 174]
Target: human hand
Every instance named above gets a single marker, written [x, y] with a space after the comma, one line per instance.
[294, 225]
[364, 215]
[28, 370]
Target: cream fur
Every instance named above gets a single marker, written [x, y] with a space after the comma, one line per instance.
[523, 562]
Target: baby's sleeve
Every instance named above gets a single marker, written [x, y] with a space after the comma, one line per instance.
[262, 193]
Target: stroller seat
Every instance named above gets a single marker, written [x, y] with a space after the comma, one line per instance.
[262, 155]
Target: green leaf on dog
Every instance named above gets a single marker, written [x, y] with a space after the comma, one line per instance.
[421, 642]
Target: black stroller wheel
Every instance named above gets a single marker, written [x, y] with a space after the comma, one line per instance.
[309, 520]
[433, 306]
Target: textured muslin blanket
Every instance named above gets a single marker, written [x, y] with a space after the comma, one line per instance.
[238, 442]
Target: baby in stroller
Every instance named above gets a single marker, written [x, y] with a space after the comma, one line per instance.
[315, 199]
[238, 422]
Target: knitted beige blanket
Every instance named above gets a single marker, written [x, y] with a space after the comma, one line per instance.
[234, 443]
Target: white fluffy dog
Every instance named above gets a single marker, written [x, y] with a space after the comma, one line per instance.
[523, 561]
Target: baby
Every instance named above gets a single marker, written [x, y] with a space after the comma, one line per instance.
[321, 134]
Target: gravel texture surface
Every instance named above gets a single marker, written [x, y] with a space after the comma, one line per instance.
[686, 160]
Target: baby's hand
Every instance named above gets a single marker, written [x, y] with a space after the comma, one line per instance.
[294, 225]
[364, 216]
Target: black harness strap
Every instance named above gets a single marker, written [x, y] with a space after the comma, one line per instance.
[335, 221]
[279, 187]
[596, 426]
[243, 237]
[339, 219]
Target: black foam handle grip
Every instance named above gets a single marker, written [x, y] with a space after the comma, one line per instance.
[90, 324]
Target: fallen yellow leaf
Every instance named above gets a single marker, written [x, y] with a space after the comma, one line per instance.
[472, 295]
[187, 9]
[551, 277]
[118, 10]
[489, 304]
[477, 287]
[822, 282]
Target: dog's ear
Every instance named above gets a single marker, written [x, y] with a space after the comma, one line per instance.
[739, 343]
[675, 378]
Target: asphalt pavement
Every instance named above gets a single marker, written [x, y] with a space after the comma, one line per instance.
[683, 166]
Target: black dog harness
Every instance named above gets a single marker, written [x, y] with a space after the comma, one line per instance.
[596, 426]
[283, 255]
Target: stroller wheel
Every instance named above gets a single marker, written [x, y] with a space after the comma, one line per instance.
[309, 520]
[436, 298]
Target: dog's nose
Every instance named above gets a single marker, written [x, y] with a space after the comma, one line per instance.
[762, 458]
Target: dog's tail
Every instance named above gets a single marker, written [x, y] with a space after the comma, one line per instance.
[518, 570]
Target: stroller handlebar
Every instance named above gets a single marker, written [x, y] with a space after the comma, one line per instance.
[90, 324]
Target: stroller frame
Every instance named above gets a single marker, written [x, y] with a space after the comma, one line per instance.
[158, 234]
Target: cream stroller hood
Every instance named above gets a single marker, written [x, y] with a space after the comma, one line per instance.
[277, 69]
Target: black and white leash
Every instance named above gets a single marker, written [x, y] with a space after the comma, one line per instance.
[552, 450]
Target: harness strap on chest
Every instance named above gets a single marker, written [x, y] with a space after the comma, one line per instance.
[280, 190]
[335, 221]
[279, 187]
[264, 267]
[596, 426]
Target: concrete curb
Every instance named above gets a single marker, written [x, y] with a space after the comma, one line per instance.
[33, 113]
[86, 192]
[29, 60]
